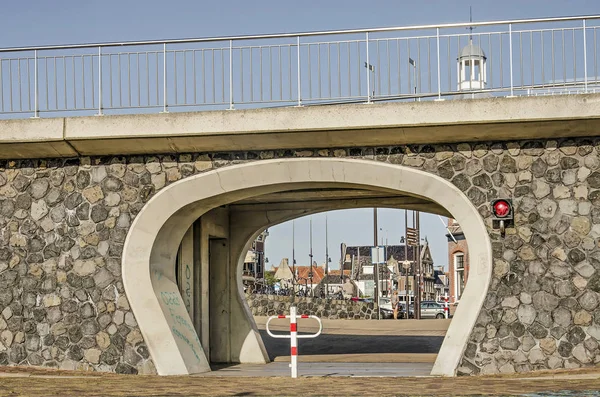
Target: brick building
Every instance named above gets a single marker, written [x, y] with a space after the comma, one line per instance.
[458, 260]
[393, 275]
[254, 262]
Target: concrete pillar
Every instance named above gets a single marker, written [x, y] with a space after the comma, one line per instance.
[212, 226]
[220, 308]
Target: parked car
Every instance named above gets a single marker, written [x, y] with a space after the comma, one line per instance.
[429, 309]
[385, 307]
[402, 314]
[432, 309]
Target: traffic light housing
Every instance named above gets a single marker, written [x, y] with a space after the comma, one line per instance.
[502, 209]
[502, 214]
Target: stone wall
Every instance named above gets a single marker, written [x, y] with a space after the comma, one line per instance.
[63, 224]
[62, 228]
[272, 305]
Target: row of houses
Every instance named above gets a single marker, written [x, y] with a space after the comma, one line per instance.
[398, 272]
[357, 276]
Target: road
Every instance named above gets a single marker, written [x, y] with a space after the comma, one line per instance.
[360, 340]
[354, 344]
[358, 348]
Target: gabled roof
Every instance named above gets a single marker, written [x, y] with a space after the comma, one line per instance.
[337, 272]
[304, 271]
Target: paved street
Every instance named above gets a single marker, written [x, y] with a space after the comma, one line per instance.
[349, 348]
[360, 341]
[354, 344]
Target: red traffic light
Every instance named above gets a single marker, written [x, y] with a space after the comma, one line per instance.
[502, 208]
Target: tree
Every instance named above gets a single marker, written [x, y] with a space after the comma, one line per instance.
[270, 279]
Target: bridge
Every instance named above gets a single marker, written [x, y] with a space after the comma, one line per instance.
[119, 196]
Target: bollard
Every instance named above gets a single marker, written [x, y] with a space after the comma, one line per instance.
[293, 342]
[294, 335]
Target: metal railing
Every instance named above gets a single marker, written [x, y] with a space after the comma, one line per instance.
[522, 57]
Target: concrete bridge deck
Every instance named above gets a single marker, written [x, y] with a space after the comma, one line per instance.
[387, 124]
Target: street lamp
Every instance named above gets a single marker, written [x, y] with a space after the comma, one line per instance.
[310, 256]
[406, 265]
[372, 69]
[414, 64]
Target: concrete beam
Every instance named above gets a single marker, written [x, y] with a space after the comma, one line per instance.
[402, 202]
[384, 124]
[31, 138]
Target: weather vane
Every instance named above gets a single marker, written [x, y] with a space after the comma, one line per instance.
[471, 21]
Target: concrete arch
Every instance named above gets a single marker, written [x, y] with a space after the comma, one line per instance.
[147, 264]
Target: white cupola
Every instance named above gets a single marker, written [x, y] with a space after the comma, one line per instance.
[471, 68]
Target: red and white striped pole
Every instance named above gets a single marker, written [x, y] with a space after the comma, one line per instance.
[293, 342]
[294, 335]
[446, 308]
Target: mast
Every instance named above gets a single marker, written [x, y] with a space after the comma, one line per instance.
[293, 261]
[310, 256]
[327, 259]
[376, 264]
[406, 297]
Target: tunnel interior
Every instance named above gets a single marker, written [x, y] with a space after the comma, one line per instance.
[203, 251]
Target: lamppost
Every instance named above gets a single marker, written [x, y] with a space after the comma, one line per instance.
[376, 262]
[310, 256]
[414, 64]
[327, 260]
[372, 69]
[293, 298]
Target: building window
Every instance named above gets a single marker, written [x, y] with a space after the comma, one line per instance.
[459, 279]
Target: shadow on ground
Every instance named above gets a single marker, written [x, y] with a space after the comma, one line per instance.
[354, 344]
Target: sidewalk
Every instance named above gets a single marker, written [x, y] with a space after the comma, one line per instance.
[364, 358]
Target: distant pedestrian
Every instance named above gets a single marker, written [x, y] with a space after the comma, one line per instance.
[395, 302]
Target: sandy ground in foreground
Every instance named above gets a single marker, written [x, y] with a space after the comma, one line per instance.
[20, 381]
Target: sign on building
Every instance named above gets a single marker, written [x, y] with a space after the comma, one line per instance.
[369, 288]
[412, 236]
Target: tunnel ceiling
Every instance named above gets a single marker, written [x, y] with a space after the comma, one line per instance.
[337, 198]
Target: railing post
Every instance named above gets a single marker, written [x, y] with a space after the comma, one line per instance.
[299, 78]
[35, 86]
[368, 71]
[438, 65]
[230, 74]
[99, 81]
[510, 58]
[165, 78]
[585, 77]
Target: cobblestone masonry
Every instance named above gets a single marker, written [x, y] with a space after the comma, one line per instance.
[63, 224]
[272, 305]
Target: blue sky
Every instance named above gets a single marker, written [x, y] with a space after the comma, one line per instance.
[42, 22]
[38, 22]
